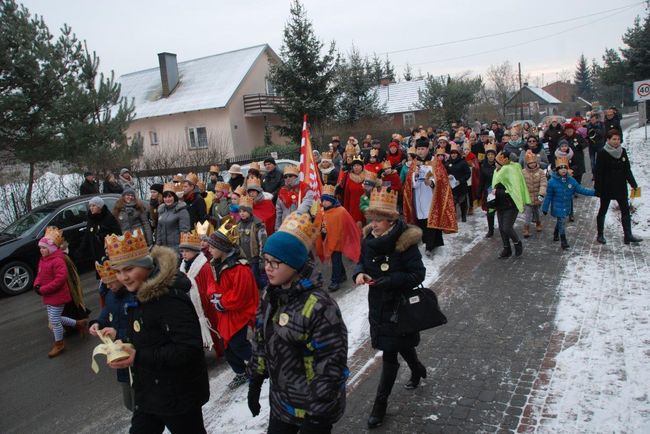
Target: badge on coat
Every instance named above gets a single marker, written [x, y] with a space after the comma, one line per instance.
[136, 326]
[284, 319]
[384, 267]
[110, 317]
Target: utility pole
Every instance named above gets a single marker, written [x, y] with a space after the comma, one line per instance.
[521, 95]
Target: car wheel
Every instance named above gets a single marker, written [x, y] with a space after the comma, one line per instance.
[15, 277]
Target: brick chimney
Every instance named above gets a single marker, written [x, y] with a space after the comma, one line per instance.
[168, 72]
[384, 81]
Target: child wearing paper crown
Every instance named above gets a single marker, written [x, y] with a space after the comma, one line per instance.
[51, 284]
[114, 315]
[559, 197]
[299, 335]
[535, 179]
[252, 236]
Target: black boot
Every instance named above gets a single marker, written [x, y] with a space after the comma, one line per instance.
[490, 220]
[601, 239]
[418, 371]
[627, 231]
[388, 375]
[556, 235]
[490, 233]
[519, 248]
[506, 252]
[565, 243]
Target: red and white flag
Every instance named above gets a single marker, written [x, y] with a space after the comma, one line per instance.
[309, 179]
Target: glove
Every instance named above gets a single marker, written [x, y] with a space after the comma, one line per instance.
[37, 289]
[254, 390]
[545, 212]
[540, 198]
[216, 300]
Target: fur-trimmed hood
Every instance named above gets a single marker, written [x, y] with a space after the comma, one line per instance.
[164, 276]
[412, 235]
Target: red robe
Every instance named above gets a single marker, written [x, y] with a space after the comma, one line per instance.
[394, 159]
[351, 198]
[442, 214]
[372, 167]
[476, 179]
[343, 235]
[239, 298]
[264, 210]
[395, 181]
[204, 279]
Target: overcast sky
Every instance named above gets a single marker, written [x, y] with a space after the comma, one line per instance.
[127, 35]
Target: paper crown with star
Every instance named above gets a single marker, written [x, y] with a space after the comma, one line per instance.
[127, 247]
[106, 273]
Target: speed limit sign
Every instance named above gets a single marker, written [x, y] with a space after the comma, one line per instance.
[642, 90]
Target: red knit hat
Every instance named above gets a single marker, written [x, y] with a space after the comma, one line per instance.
[569, 125]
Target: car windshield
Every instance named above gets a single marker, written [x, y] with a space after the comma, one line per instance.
[27, 223]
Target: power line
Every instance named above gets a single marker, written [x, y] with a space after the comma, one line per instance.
[501, 48]
[513, 31]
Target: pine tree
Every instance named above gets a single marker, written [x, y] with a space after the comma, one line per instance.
[448, 98]
[357, 83]
[637, 52]
[408, 73]
[389, 71]
[376, 69]
[582, 78]
[304, 78]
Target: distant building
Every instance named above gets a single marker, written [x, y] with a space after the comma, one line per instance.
[565, 91]
[401, 103]
[535, 102]
[222, 101]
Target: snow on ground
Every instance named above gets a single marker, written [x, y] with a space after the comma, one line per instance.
[227, 411]
[601, 384]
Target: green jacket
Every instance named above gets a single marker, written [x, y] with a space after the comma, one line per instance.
[512, 178]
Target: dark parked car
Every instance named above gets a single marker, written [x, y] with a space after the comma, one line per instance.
[19, 252]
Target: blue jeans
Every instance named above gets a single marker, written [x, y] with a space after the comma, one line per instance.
[560, 225]
[338, 270]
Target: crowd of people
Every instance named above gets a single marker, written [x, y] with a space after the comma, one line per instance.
[234, 266]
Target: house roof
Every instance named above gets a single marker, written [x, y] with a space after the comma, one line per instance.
[540, 93]
[204, 83]
[400, 97]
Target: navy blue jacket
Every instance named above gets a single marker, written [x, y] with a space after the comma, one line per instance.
[559, 194]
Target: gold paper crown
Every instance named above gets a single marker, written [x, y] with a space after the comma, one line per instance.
[214, 169]
[172, 187]
[383, 201]
[127, 247]
[502, 158]
[386, 165]
[240, 190]
[301, 227]
[106, 273]
[441, 150]
[178, 178]
[246, 201]
[222, 186]
[350, 150]
[291, 170]
[254, 165]
[491, 147]
[192, 178]
[326, 156]
[329, 190]
[411, 150]
[530, 157]
[562, 161]
[357, 159]
[229, 231]
[203, 229]
[55, 234]
[201, 186]
[253, 182]
[191, 239]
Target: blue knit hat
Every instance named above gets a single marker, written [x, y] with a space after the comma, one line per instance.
[286, 248]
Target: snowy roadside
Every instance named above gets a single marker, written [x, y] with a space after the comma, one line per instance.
[601, 383]
[227, 410]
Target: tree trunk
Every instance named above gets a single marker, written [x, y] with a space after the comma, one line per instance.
[30, 187]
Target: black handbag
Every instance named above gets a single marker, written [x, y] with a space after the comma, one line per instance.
[418, 310]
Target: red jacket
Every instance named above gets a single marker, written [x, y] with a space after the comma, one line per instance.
[53, 278]
[239, 298]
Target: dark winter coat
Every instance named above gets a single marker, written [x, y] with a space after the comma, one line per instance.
[331, 178]
[169, 372]
[552, 136]
[513, 150]
[301, 345]
[114, 314]
[461, 171]
[578, 144]
[88, 187]
[235, 181]
[133, 216]
[487, 171]
[478, 148]
[399, 249]
[612, 176]
[613, 124]
[171, 222]
[97, 228]
[596, 136]
[112, 187]
[196, 207]
[272, 182]
[559, 195]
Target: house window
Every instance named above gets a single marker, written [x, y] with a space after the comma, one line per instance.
[153, 136]
[408, 119]
[198, 137]
[270, 88]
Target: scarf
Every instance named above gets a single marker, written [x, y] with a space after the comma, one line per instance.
[614, 152]
[326, 171]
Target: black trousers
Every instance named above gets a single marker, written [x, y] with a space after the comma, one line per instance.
[624, 206]
[409, 355]
[430, 237]
[276, 426]
[188, 423]
[507, 218]
[239, 351]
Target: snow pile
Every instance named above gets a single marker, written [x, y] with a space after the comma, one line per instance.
[601, 384]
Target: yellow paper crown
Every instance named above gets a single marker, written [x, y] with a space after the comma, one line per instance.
[350, 149]
[229, 231]
[240, 190]
[106, 273]
[253, 182]
[255, 166]
[214, 169]
[491, 147]
[222, 186]
[530, 157]
[190, 240]
[369, 176]
[326, 156]
[329, 190]
[562, 161]
[357, 159]
[411, 150]
[127, 247]
[386, 165]
[301, 227]
[203, 229]
[192, 178]
[178, 178]
[291, 170]
[55, 234]
[383, 199]
[246, 201]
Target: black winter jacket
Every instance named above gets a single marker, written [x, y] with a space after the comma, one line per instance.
[301, 344]
[461, 171]
[196, 208]
[612, 176]
[169, 372]
[398, 249]
[578, 145]
[596, 136]
[97, 228]
[613, 124]
[552, 136]
[112, 187]
[87, 187]
[272, 182]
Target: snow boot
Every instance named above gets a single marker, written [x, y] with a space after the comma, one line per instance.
[627, 232]
[418, 371]
[526, 231]
[565, 243]
[601, 239]
[506, 252]
[57, 349]
[490, 233]
[556, 235]
[238, 380]
[388, 376]
[82, 327]
[538, 226]
[519, 248]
